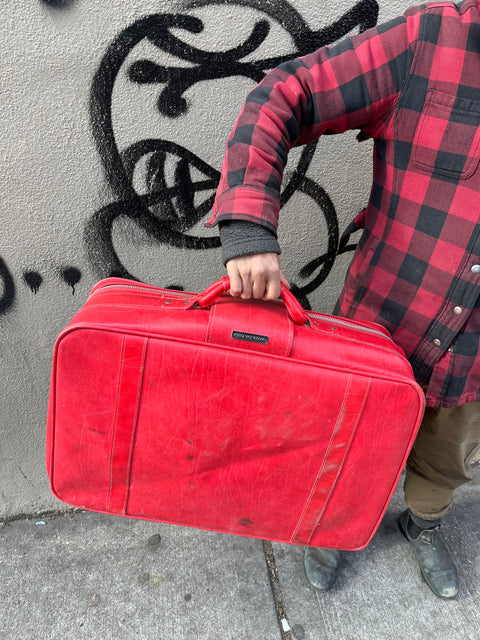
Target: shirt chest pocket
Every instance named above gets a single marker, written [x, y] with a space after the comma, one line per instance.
[447, 138]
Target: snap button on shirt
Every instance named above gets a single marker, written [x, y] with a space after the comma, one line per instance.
[437, 342]
[458, 310]
[475, 269]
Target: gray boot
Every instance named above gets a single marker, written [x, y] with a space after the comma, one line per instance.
[321, 567]
[436, 564]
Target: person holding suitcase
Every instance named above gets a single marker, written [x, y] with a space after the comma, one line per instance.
[412, 85]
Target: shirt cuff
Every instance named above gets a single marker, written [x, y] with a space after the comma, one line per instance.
[241, 238]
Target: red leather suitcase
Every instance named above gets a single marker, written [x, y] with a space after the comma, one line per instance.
[248, 417]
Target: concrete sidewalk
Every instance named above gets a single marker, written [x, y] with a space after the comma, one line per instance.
[82, 576]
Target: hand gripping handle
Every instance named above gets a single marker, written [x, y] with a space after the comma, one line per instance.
[215, 290]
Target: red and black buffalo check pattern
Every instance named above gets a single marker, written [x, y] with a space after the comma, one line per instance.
[413, 86]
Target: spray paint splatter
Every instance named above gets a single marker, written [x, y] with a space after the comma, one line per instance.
[59, 4]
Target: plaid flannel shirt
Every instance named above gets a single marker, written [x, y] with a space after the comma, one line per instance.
[413, 86]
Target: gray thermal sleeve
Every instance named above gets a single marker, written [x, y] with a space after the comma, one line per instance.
[241, 238]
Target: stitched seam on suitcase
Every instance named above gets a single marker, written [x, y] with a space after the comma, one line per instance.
[134, 426]
[211, 316]
[117, 408]
[125, 424]
[290, 337]
[320, 494]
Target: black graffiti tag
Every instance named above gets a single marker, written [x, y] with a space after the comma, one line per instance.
[7, 288]
[168, 212]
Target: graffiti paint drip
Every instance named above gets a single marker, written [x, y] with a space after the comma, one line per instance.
[72, 276]
[33, 279]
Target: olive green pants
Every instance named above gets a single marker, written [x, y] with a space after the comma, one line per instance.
[440, 460]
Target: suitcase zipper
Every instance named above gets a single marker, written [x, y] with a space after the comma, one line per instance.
[171, 292]
[340, 322]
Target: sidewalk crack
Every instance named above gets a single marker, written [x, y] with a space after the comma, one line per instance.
[277, 591]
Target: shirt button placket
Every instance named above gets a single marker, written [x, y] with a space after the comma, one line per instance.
[475, 269]
[457, 310]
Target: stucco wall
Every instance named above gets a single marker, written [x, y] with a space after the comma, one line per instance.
[114, 120]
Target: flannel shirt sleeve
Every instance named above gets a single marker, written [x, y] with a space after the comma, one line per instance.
[352, 85]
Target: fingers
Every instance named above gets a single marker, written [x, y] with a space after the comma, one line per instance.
[284, 281]
[241, 280]
[236, 284]
[256, 276]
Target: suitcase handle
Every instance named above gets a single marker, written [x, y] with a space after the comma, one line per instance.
[215, 290]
